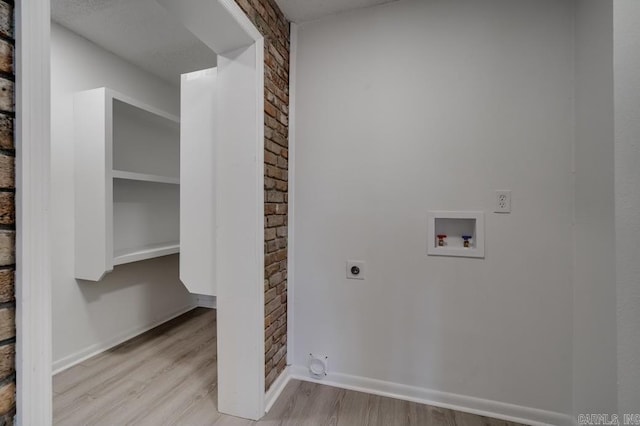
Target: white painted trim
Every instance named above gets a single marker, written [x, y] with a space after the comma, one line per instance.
[291, 191]
[467, 404]
[33, 276]
[241, 19]
[205, 301]
[251, 410]
[260, 121]
[276, 389]
[240, 233]
[93, 350]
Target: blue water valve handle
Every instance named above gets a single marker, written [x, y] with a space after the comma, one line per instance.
[466, 239]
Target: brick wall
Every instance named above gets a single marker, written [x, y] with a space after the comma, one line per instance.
[268, 18]
[7, 217]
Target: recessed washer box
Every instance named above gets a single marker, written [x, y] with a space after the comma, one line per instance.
[457, 226]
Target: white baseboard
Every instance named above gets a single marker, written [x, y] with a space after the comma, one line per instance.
[467, 404]
[93, 350]
[204, 301]
[276, 389]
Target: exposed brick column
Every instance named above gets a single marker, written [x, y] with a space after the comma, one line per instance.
[7, 217]
[267, 17]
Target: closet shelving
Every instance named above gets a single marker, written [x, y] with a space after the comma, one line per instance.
[144, 177]
[127, 182]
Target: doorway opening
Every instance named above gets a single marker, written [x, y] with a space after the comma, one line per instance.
[118, 188]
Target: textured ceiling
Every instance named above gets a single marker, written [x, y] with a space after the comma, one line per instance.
[139, 31]
[143, 33]
[308, 10]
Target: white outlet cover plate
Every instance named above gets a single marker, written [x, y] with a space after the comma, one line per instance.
[503, 201]
[359, 264]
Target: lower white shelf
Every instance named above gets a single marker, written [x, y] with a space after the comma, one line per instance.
[145, 252]
[143, 177]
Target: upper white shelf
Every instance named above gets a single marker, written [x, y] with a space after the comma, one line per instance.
[141, 106]
[121, 145]
[145, 140]
[143, 177]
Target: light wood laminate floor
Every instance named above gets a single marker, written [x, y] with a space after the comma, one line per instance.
[167, 376]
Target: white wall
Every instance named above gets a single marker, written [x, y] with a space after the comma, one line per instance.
[240, 232]
[594, 304]
[627, 199]
[421, 105]
[87, 315]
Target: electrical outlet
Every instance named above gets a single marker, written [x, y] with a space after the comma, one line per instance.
[355, 270]
[503, 202]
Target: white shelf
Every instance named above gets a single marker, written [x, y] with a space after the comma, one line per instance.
[121, 146]
[131, 102]
[145, 215]
[144, 141]
[143, 177]
[146, 252]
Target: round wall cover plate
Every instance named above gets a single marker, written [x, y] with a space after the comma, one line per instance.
[317, 367]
